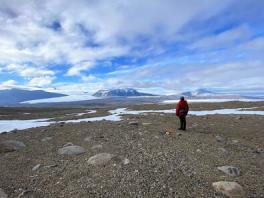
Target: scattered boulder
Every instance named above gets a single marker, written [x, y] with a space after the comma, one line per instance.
[230, 170]
[45, 139]
[11, 145]
[134, 123]
[3, 194]
[71, 150]
[100, 159]
[220, 138]
[36, 167]
[230, 189]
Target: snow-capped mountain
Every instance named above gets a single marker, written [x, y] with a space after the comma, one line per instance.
[16, 96]
[199, 93]
[119, 92]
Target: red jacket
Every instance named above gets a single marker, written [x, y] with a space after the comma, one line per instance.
[182, 108]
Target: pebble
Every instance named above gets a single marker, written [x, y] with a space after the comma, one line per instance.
[68, 144]
[230, 170]
[223, 150]
[235, 141]
[45, 139]
[36, 167]
[230, 189]
[100, 159]
[87, 139]
[126, 161]
[2, 193]
[239, 118]
[135, 123]
[220, 138]
[71, 150]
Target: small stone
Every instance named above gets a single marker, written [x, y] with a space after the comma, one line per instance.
[68, 144]
[11, 145]
[134, 123]
[223, 150]
[239, 118]
[198, 150]
[3, 194]
[126, 161]
[235, 141]
[36, 167]
[179, 134]
[45, 139]
[230, 170]
[71, 150]
[51, 166]
[220, 138]
[230, 189]
[100, 159]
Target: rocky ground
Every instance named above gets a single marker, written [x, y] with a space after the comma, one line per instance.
[134, 157]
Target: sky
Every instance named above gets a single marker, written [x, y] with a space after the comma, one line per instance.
[155, 46]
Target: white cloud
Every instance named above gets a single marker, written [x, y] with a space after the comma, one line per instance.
[88, 78]
[41, 81]
[76, 36]
[8, 84]
[28, 71]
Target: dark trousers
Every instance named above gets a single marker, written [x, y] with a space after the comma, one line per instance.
[183, 122]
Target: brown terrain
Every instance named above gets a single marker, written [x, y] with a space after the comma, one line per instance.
[139, 159]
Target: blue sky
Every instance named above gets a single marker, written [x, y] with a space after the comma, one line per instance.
[162, 47]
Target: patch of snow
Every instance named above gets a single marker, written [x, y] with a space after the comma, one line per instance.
[213, 100]
[116, 115]
[114, 118]
[9, 125]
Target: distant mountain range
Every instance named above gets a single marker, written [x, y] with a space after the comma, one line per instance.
[9, 97]
[120, 92]
[206, 94]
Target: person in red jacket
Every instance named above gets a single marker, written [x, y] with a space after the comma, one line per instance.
[182, 109]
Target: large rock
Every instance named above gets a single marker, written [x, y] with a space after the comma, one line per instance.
[230, 189]
[2, 193]
[71, 150]
[11, 145]
[100, 159]
[230, 170]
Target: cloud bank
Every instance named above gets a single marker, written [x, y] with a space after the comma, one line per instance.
[155, 46]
